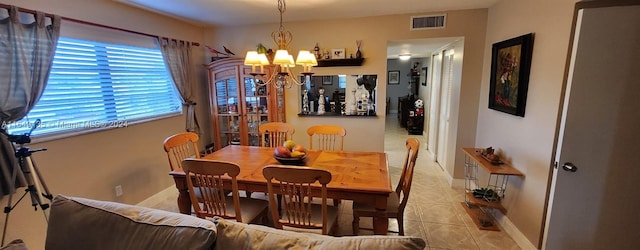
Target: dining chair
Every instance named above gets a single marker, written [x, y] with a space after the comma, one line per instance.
[208, 176]
[328, 137]
[300, 213]
[397, 200]
[179, 147]
[273, 134]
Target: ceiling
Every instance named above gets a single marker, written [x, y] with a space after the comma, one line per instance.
[208, 13]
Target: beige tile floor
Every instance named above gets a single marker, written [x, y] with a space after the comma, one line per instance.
[433, 213]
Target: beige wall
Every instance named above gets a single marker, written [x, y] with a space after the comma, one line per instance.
[92, 165]
[528, 141]
[366, 133]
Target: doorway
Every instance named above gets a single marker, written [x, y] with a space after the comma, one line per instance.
[436, 89]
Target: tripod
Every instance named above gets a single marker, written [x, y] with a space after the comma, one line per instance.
[28, 174]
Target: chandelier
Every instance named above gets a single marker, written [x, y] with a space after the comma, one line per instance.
[283, 61]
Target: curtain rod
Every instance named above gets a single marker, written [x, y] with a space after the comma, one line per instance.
[5, 6]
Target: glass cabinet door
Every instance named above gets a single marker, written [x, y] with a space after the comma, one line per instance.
[256, 108]
[227, 100]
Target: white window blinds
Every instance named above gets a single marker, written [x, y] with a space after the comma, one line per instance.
[100, 85]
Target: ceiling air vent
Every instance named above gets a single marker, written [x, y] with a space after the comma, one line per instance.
[428, 22]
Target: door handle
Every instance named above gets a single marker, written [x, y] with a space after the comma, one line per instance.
[569, 167]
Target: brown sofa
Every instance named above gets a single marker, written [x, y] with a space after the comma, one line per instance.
[79, 223]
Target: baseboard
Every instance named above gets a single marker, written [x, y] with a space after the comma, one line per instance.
[513, 232]
[158, 197]
[455, 183]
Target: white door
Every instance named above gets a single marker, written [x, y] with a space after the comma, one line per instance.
[598, 205]
[445, 103]
[434, 106]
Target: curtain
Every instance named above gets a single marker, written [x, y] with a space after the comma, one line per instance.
[27, 47]
[177, 56]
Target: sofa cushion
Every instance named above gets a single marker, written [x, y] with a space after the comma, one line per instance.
[235, 235]
[77, 223]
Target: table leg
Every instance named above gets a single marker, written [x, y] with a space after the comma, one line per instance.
[380, 221]
[184, 202]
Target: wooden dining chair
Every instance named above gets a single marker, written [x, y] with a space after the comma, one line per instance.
[179, 147]
[397, 200]
[208, 177]
[295, 184]
[273, 134]
[327, 137]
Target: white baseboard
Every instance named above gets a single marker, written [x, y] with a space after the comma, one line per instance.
[159, 197]
[513, 231]
[455, 183]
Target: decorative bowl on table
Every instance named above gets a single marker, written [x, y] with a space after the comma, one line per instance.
[297, 161]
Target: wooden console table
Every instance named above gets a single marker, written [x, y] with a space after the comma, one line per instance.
[482, 205]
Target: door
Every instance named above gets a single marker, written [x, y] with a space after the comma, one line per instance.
[226, 106]
[434, 107]
[255, 107]
[596, 207]
[445, 103]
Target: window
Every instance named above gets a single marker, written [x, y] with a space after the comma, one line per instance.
[99, 85]
[342, 81]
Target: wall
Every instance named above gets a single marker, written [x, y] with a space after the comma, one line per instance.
[92, 165]
[343, 33]
[395, 91]
[527, 141]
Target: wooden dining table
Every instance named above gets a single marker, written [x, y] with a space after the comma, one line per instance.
[358, 176]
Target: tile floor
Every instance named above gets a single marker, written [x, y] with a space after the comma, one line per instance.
[433, 213]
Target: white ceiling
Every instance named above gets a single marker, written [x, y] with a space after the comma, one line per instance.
[245, 12]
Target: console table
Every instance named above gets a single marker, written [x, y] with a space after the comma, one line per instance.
[481, 206]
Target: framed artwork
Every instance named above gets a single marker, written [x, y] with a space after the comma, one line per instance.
[510, 68]
[393, 77]
[327, 80]
[338, 54]
[424, 73]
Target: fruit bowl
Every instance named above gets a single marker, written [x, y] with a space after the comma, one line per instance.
[298, 161]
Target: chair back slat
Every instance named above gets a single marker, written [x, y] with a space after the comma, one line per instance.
[327, 137]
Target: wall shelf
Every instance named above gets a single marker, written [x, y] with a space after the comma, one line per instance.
[482, 209]
[340, 62]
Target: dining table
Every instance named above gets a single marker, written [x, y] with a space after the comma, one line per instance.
[357, 176]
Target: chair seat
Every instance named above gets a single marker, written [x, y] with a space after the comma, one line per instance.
[251, 209]
[316, 218]
[366, 208]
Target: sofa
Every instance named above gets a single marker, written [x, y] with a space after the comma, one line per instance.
[80, 223]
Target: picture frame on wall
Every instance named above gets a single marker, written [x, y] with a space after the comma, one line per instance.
[338, 54]
[393, 77]
[327, 80]
[510, 69]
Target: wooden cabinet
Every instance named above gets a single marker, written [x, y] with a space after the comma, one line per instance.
[238, 105]
[481, 201]
[405, 104]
